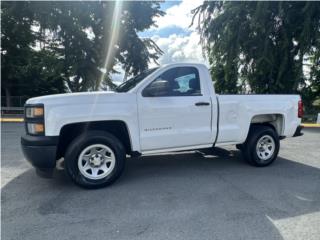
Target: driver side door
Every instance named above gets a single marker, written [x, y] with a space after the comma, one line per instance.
[174, 112]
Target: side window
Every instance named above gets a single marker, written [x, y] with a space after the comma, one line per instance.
[179, 81]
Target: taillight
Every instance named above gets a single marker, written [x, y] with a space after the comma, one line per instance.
[300, 109]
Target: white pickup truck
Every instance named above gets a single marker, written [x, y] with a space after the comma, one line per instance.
[170, 108]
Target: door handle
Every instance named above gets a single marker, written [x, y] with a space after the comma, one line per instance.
[202, 104]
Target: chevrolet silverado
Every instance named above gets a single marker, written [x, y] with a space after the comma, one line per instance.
[170, 108]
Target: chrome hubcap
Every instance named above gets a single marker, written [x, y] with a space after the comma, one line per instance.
[96, 161]
[265, 147]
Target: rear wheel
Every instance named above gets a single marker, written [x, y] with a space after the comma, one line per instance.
[262, 146]
[95, 159]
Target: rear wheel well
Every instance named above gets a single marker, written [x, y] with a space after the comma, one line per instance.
[275, 121]
[71, 131]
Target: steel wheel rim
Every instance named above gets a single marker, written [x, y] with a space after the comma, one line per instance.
[96, 161]
[265, 147]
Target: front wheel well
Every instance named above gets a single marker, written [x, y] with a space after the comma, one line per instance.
[71, 131]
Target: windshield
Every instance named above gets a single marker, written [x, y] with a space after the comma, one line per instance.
[132, 82]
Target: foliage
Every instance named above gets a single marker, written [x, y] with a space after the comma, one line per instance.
[16, 41]
[50, 47]
[262, 47]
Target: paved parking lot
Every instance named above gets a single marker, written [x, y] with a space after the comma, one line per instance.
[214, 195]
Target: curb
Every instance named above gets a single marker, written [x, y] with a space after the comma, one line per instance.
[13, 120]
[306, 125]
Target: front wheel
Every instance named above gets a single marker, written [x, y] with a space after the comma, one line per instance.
[262, 146]
[95, 159]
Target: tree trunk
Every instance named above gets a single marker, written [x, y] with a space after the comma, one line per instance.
[8, 97]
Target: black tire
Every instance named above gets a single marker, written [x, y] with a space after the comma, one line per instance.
[239, 146]
[249, 147]
[87, 139]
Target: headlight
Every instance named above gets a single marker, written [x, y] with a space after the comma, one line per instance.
[34, 119]
[34, 112]
[35, 128]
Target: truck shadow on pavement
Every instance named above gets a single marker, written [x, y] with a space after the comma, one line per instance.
[199, 195]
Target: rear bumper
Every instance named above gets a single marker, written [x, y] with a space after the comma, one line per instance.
[298, 132]
[40, 151]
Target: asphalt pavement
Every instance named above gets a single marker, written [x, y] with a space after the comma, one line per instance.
[194, 195]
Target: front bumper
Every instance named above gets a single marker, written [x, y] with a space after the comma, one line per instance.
[298, 132]
[40, 151]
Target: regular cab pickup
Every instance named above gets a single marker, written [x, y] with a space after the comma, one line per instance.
[170, 108]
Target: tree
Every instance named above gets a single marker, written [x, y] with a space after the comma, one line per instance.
[50, 47]
[16, 42]
[261, 47]
[91, 37]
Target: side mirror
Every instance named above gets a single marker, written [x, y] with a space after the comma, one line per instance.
[157, 88]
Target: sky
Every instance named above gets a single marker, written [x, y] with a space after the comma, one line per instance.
[179, 41]
[173, 34]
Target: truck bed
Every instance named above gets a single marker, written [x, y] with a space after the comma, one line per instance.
[236, 112]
